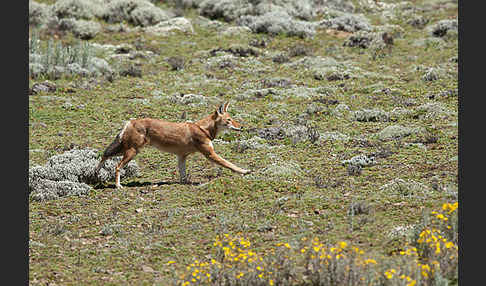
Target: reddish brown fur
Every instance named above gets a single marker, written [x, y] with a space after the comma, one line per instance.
[181, 139]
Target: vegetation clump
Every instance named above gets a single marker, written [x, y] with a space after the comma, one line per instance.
[430, 259]
[52, 59]
[70, 173]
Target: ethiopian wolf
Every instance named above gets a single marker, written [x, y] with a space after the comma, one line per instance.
[181, 139]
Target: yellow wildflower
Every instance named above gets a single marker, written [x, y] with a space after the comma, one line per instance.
[369, 260]
[389, 273]
[412, 283]
[449, 244]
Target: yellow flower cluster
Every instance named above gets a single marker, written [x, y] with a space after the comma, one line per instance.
[389, 273]
[411, 282]
[235, 251]
[447, 210]
[198, 272]
[434, 237]
[426, 270]
[436, 241]
[234, 256]
[319, 251]
[409, 252]
[450, 208]
[322, 255]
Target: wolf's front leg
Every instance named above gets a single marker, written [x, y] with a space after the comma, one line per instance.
[208, 151]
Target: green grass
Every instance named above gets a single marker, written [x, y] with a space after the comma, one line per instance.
[154, 219]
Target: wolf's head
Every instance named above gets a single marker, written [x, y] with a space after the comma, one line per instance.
[223, 119]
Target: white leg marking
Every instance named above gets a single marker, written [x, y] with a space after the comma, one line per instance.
[117, 182]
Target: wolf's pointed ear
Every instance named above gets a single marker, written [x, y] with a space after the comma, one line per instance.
[220, 110]
[226, 106]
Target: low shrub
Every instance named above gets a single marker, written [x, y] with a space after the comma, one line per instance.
[52, 59]
[38, 13]
[137, 12]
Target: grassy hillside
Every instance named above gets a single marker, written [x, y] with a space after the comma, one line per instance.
[307, 104]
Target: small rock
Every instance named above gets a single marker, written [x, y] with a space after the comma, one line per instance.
[394, 132]
[131, 70]
[45, 86]
[354, 170]
[166, 28]
[147, 269]
[192, 99]
[276, 82]
[283, 169]
[373, 115]
[235, 30]
[334, 136]
[434, 110]
[418, 21]
[443, 27]
[405, 188]
[360, 160]
[34, 243]
[255, 142]
[431, 74]
[271, 133]
[340, 109]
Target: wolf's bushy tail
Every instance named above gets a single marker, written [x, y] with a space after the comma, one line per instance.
[114, 148]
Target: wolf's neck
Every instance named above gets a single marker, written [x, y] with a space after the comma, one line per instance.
[209, 126]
